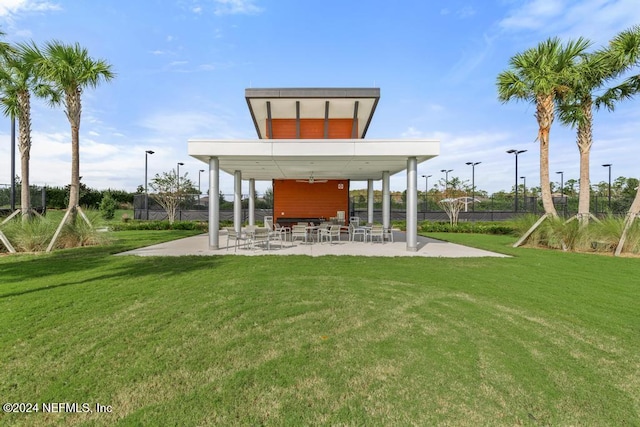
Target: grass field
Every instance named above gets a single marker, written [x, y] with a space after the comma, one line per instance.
[542, 338]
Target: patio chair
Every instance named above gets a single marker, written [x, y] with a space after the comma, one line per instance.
[260, 236]
[377, 231]
[355, 230]
[329, 233]
[299, 232]
[232, 234]
[388, 233]
[276, 232]
[355, 220]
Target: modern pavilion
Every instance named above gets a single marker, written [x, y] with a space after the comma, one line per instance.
[311, 147]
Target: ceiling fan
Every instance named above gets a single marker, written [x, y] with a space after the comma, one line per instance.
[311, 180]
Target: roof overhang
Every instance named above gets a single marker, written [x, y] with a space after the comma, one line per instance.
[312, 103]
[354, 159]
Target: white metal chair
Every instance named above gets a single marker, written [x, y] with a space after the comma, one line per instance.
[355, 230]
[377, 231]
[232, 234]
[299, 232]
[260, 236]
[276, 232]
[329, 233]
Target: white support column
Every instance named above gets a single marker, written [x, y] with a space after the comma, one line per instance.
[412, 204]
[252, 201]
[370, 201]
[214, 203]
[237, 201]
[386, 200]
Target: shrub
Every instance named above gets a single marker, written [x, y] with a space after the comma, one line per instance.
[107, 206]
[30, 236]
[160, 225]
[81, 233]
[467, 227]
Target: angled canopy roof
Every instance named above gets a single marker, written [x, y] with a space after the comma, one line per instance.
[354, 158]
[312, 103]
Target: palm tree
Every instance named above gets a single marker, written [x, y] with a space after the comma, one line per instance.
[541, 75]
[5, 48]
[17, 81]
[576, 110]
[625, 48]
[70, 70]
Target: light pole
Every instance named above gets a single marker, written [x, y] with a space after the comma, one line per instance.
[516, 152]
[561, 184]
[564, 206]
[199, 192]
[146, 193]
[13, 164]
[473, 184]
[524, 190]
[608, 165]
[446, 178]
[426, 192]
[178, 177]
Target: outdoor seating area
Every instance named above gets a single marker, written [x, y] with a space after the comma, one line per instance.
[274, 236]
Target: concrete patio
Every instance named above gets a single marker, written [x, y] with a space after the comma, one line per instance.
[198, 245]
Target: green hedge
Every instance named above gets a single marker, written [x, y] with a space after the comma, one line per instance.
[160, 225]
[468, 227]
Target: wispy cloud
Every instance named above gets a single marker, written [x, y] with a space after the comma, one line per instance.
[236, 7]
[597, 20]
[225, 7]
[463, 12]
[11, 8]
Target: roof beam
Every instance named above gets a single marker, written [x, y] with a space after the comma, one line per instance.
[326, 120]
[269, 124]
[297, 119]
[354, 126]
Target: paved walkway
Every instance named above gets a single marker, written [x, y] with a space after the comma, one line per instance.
[198, 245]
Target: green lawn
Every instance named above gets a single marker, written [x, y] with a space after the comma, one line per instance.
[542, 338]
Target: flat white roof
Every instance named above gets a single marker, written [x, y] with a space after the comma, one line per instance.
[355, 159]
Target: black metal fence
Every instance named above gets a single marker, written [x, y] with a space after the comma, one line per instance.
[494, 208]
[7, 205]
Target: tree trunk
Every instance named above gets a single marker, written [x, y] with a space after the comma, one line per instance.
[73, 114]
[544, 115]
[585, 139]
[634, 211]
[24, 125]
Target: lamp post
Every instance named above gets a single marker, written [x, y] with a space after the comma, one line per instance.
[446, 178]
[524, 190]
[473, 184]
[178, 176]
[199, 192]
[516, 152]
[426, 192]
[146, 193]
[564, 205]
[13, 164]
[608, 165]
[561, 184]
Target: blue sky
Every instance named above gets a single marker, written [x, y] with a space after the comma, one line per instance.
[182, 67]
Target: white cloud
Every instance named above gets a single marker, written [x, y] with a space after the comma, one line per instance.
[10, 8]
[236, 7]
[466, 12]
[597, 20]
[533, 15]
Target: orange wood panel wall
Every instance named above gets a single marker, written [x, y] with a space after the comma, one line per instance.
[311, 128]
[294, 199]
